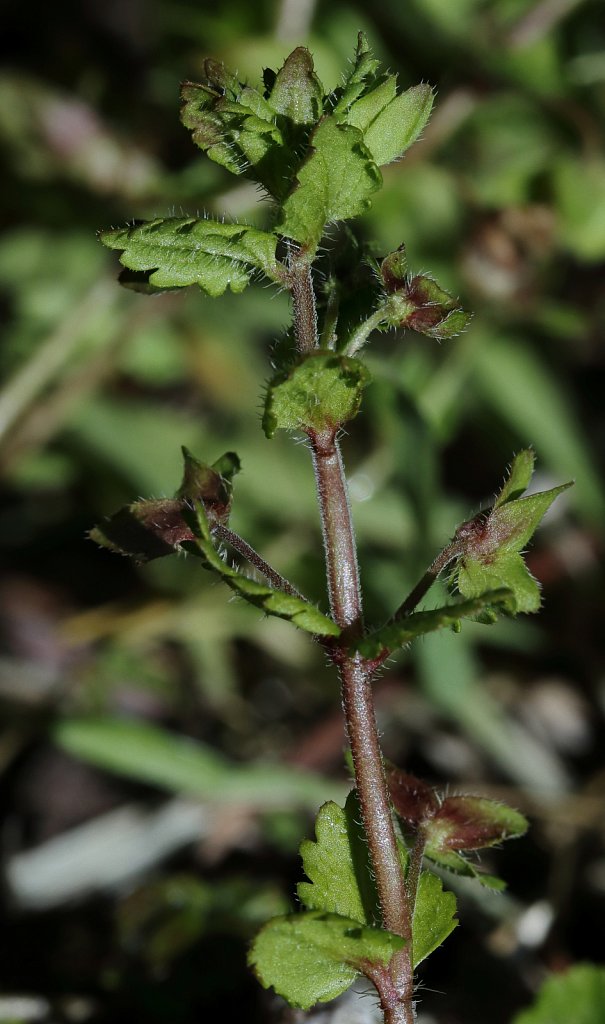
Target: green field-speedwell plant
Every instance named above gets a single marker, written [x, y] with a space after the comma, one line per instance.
[370, 903]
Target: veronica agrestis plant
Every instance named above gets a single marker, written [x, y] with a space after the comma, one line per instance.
[369, 905]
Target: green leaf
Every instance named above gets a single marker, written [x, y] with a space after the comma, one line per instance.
[356, 83]
[297, 93]
[433, 916]
[322, 391]
[336, 865]
[314, 957]
[519, 477]
[576, 996]
[398, 125]
[490, 543]
[513, 523]
[368, 100]
[235, 126]
[400, 633]
[336, 181]
[181, 251]
[147, 753]
[474, 578]
[274, 602]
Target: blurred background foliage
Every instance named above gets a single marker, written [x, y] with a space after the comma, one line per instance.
[163, 748]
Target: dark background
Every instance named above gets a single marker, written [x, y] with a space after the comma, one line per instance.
[126, 898]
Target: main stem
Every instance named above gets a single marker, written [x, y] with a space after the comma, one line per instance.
[346, 607]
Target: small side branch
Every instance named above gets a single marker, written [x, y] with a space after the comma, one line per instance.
[246, 551]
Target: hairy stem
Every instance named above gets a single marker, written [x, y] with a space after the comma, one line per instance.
[246, 551]
[424, 585]
[346, 607]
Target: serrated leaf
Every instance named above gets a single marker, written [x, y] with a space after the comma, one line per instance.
[400, 633]
[368, 100]
[356, 83]
[297, 93]
[576, 996]
[490, 543]
[336, 864]
[336, 181]
[274, 602]
[181, 251]
[322, 391]
[474, 578]
[519, 477]
[472, 823]
[433, 916]
[235, 126]
[313, 957]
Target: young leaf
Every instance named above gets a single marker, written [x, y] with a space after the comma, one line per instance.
[314, 957]
[472, 823]
[398, 124]
[491, 542]
[235, 126]
[179, 251]
[360, 78]
[454, 824]
[297, 93]
[397, 634]
[433, 916]
[519, 477]
[145, 530]
[336, 865]
[390, 123]
[274, 602]
[576, 996]
[336, 181]
[323, 390]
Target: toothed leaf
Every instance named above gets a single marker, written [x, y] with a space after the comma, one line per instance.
[336, 181]
[315, 956]
[322, 391]
[433, 916]
[336, 865]
[181, 251]
[491, 542]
